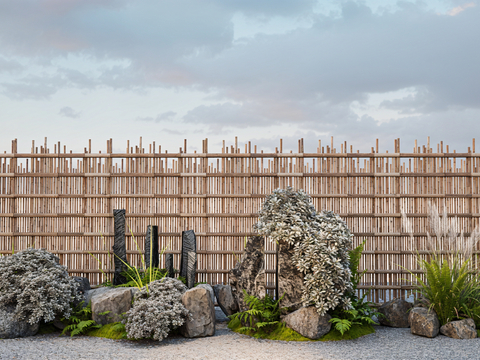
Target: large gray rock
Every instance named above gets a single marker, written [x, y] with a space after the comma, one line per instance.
[307, 322]
[395, 312]
[225, 299]
[210, 290]
[290, 279]
[249, 273]
[423, 322]
[11, 327]
[116, 302]
[202, 323]
[461, 329]
[90, 294]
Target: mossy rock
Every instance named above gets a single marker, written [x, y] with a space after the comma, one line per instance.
[113, 331]
[282, 333]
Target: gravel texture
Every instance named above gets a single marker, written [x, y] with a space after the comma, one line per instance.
[386, 343]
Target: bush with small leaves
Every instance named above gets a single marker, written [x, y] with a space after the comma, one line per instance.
[37, 286]
[321, 244]
[157, 311]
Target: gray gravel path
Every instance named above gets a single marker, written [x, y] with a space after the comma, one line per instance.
[386, 343]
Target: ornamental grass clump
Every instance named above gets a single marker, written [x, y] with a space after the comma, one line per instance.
[156, 311]
[451, 283]
[36, 285]
[321, 244]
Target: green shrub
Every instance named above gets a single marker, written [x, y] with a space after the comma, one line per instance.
[262, 315]
[39, 288]
[450, 283]
[156, 311]
[80, 321]
[321, 243]
[360, 315]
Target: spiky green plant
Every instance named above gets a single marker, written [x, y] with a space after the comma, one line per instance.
[450, 283]
[262, 314]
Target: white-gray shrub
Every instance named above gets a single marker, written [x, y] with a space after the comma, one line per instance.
[158, 311]
[321, 243]
[37, 286]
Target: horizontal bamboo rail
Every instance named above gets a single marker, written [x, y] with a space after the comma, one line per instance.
[64, 201]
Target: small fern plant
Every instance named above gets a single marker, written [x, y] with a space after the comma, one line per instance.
[80, 321]
[360, 313]
[262, 314]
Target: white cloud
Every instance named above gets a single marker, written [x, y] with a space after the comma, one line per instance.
[67, 111]
[457, 10]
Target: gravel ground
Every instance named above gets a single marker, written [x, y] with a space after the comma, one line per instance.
[386, 343]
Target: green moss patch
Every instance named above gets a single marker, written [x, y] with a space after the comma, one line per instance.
[283, 333]
[478, 333]
[110, 331]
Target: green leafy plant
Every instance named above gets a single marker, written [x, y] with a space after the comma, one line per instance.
[320, 242]
[80, 321]
[262, 314]
[137, 277]
[450, 288]
[449, 282]
[361, 312]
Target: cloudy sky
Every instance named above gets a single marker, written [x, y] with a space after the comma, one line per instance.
[73, 70]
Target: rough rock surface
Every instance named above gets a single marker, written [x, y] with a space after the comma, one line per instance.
[151, 246]
[249, 274]
[461, 329]
[423, 322]
[116, 301]
[119, 247]
[290, 280]
[209, 288]
[189, 244]
[83, 287]
[90, 294]
[11, 327]
[200, 305]
[307, 322]
[225, 299]
[396, 313]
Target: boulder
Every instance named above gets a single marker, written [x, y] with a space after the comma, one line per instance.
[423, 322]
[90, 294]
[307, 322]
[249, 273]
[395, 312]
[83, 286]
[202, 323]
[11, 327]
[116, 302]
[290, 279]
[225, 299]
[461, 329]
[209, 288]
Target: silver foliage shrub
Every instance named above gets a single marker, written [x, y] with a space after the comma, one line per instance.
[321, 243]
[157, 311]
[37, 286]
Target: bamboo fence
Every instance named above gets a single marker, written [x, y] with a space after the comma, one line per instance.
[64, 202]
